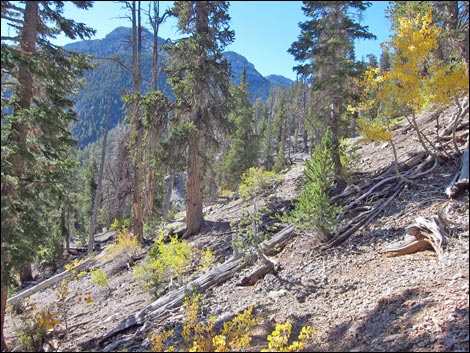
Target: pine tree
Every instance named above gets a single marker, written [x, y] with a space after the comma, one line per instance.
[326, 45]
[313, 209]
[281, 133]
[243, 150]
[267, 129]
[40, 77]
[199, 76]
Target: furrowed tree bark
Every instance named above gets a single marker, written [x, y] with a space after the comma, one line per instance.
[194, 214]
[25, 96]
[196, 147]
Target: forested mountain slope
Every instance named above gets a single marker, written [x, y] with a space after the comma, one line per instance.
[108, 81]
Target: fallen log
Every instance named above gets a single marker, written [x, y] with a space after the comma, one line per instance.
[423, 234]
[254, 276]
[362, 219]
[409, 246]
[83, 266]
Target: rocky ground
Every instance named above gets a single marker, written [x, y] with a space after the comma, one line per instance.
[352, 295]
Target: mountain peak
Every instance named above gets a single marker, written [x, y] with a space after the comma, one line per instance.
[279, 80]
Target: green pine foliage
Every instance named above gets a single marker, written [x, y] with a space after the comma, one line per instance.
[36, 141]
[244, 147]
[313, 209]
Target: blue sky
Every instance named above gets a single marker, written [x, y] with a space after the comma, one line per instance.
[264, 30]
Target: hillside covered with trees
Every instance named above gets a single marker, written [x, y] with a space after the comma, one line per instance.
[111, 54]
[219, 213]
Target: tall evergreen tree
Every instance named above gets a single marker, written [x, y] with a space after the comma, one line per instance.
[243, 150]
[199, 76]
[37, 81]
[326, 45]
[280, 127]
[267, 128]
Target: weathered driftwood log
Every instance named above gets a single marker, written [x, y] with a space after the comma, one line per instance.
[211, 278]
[461, 179]
[424, 233]
[259, 272]
[83, 266]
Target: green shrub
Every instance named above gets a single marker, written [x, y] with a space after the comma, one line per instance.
[119, 225]
[99, 277]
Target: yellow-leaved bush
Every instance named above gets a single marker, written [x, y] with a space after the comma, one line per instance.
[199, 336]
[278, 340]
[372, 131]
[125, 249]
[164, 263]
[236, 335]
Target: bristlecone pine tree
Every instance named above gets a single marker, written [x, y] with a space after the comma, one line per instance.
[37, 79]
[199, 76]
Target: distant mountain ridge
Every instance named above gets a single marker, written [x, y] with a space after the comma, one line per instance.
[106, 83]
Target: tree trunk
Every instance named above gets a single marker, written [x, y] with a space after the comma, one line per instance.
[167, 201]
[194, 214]
[65, 230]
[91, 235]
[25, 96]
[451, 25]
[152, 134]
[137, 81]
[4, 290]
[138, 211]
[26, 273]
[18, 134]
[196, 145]
[4, 306]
